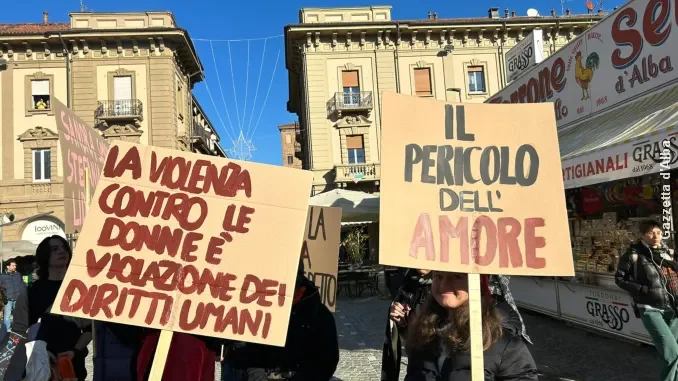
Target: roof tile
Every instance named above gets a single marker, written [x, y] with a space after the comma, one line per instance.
[32, 29]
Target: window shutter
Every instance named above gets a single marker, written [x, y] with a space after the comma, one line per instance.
[40, 87]
[422, 81]
[354, 142]
[350, 78]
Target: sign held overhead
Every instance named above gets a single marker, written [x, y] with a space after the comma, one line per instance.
[466, 176]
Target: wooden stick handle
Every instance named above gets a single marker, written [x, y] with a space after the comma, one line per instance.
[476, 327]
[160, 357]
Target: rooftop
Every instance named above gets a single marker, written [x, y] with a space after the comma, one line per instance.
[33, 28]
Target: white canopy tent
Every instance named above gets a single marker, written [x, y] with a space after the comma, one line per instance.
[356, 207]
[15, 249]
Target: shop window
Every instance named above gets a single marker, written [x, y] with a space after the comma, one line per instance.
[290, 160]
[422, 82]
[42, 165]
[351, 87]
[476, 79]
[356, 149]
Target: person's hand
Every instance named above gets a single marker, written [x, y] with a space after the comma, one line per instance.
[399, 313]
[69, 354]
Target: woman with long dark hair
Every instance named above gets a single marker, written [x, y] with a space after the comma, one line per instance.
[438, 338]
[61, 335]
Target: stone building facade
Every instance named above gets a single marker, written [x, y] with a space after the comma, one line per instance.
[128, 75]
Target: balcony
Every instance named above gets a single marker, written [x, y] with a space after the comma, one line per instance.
[350, 102]
[357, 172]
[119, 111]
[200, 137]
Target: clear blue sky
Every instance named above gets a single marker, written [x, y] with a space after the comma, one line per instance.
[232, 20]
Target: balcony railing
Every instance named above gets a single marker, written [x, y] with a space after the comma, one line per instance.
[357, 172]
[200, 135]
[342, 102]
[120, 109]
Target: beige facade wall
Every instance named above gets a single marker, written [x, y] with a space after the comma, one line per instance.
[159, 66]
[318, 53]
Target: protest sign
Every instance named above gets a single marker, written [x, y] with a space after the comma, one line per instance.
[153, 254]
[83, 152]
[320, 251]
[474, 188]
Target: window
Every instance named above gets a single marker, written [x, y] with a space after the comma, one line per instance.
[40, 94]
[422, 82]
[351, 85]
[42, 164]
[122, 95]
[356, 149]
[290, 160]
[476, 79]
[181, 104]
[288, 138]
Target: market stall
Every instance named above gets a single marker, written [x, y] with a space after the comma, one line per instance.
[616, 106]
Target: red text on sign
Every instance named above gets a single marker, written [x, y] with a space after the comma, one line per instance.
[501, 238]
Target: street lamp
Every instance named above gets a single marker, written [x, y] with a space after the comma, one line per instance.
[456, 90]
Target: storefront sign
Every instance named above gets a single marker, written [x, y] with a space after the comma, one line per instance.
[38, 230]
[636, 158]
[524, 55]
[600, 308]
[628, 54]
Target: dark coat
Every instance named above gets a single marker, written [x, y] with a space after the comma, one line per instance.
[412, 292]
[311, 350]
[13, 283]
[649, 274]
[509, 359]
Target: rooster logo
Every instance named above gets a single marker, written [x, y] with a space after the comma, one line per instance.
[584, 74]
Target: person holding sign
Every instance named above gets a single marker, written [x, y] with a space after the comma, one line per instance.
[438, 340]
[648, 271]
[58, 336]
[311, 352]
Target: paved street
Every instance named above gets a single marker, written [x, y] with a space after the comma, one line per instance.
[562, 353]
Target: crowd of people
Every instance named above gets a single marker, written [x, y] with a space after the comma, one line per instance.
[428, 319]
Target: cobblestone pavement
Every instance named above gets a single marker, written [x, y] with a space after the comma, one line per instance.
[563, 353]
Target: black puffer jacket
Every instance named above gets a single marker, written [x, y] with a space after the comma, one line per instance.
[509, 359]
[311, 351]
[649, 274]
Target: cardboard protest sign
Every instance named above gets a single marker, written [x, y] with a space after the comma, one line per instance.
[320, 251]
[473, 188]
[81, 148]
[189, 243]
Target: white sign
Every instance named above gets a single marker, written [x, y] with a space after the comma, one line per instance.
[633, 159]
[601, 308]
[614, 61]
[524, 55]
[38, 230]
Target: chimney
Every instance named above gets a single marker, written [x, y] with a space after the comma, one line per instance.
[493, 13]
[553, 12]
[513, 13]
[506, 13]
[429, 15]
[45, 17]
[567, 12]
[435, 15]
[600, 11]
